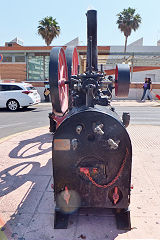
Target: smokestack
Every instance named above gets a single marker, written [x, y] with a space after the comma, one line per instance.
[92, 40]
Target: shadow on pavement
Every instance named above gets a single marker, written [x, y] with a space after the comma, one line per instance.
[13, 178]
[27, 201]
[22, 151]
[9, 182]
[29, 109]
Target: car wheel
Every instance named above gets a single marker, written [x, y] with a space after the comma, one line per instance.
[12, 105]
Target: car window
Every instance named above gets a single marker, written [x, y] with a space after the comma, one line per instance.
[9, 88]
[30, 88]
[4, 87]
[14, 87]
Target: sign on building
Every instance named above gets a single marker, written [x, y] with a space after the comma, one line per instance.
[1, 57]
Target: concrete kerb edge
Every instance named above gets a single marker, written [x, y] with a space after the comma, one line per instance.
[19, 133]
[131, 103]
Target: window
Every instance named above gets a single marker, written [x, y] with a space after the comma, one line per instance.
[4, 88]
[9, 88]
[38, 68]
[30, 88]
[7, 59]
[19, 58]
[9, 44]
[14, 87]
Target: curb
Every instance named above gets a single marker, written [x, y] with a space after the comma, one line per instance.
[133, 103]
[19, 133]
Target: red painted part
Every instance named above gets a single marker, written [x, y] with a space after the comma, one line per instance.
[157, 96]
[75, 62]
[110, 72]
[100, 48]
[87, 173]
[131, 187]
[58, 119]
[64, 88]
[135, 69]
[95, 170]
[144, 68]
[115, 195]
[84, 170]
[116, 73]
[62, 78]
[66, 195]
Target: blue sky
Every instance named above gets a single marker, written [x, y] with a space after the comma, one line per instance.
[20, 18]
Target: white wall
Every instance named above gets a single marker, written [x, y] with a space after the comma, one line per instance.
[41, 91]
[140, 76]
[136, 94]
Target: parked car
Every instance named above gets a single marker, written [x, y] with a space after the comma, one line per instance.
[16, 95]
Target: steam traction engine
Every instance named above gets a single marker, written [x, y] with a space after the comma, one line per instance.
[92, 151]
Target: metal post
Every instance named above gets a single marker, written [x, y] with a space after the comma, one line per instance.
[92, 33]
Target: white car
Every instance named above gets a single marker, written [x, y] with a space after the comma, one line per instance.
[16, 95]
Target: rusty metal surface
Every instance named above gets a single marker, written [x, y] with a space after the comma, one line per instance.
[93, 151]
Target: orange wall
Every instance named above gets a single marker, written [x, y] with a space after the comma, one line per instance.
[13, 71]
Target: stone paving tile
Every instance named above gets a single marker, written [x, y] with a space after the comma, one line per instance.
[5, 149]
[152, 170]
[47, 203]
[130, 103]
[16, 226]
[30, 150]
[30, 167]
[145, 137]
[141, 184]
[98, 228]
[10, 182]
[49, 188]
[42, 228]
[45, 168]
[12, 200]
[40, 183]
[21, 200]
[146, 228]
[32, 202]
[156, 183]
[145, 205]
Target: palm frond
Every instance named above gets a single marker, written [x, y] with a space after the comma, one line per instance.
[49, 29]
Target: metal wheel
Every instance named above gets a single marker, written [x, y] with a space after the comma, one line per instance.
[72, 66]
[72, 61]
[58, 77]
[122, 80]
[12, 105]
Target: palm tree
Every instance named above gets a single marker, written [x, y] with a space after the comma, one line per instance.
[128, 21]
[48, 28]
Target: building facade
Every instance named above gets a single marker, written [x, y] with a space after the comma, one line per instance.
[31, 63]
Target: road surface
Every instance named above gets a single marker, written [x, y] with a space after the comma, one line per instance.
[37, 116]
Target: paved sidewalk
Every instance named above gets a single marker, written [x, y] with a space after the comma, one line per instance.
[27, 206]
[135, 103]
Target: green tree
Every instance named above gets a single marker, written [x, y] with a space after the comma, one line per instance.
[128, 21]
[48, 28]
